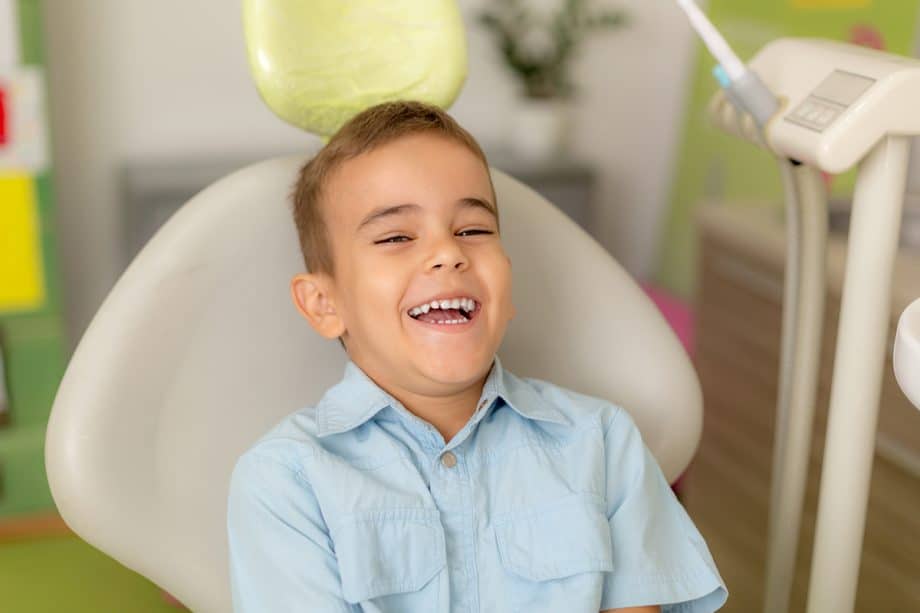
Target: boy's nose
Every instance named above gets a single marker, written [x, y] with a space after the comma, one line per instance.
[448, 255]
[458, 265]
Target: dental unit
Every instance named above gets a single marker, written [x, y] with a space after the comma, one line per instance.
[825, 106]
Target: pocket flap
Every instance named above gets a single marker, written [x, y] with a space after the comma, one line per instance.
[563, 538]
[388, 551]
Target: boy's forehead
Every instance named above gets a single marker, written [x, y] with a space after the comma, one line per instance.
[418, 171]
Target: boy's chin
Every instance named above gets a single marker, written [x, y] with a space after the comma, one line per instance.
[455, 370]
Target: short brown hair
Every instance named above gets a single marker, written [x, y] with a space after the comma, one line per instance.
[364, 132]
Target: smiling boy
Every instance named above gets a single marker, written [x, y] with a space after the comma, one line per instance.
[431, 479]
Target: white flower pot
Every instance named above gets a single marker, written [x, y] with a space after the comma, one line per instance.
[539, 128]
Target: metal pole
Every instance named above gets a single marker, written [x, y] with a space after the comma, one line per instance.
[860, 356]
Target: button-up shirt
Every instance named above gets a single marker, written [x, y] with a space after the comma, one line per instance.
[546, 500]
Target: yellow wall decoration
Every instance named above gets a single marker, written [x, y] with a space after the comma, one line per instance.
[22, 283]
[831, 4]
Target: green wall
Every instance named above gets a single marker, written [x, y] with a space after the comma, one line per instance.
[33, 340]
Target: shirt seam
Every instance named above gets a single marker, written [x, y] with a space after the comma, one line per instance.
[613, 420]
[560, 569]
[397, 587]
[398, 513]
[691, 580]
[488, 456]
[368, 468]
[662, 575]
[261, 455]
[309, 453]
[539, 510]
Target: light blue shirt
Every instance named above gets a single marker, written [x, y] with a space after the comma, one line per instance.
[546, 500]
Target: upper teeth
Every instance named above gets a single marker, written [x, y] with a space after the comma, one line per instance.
[467, 304]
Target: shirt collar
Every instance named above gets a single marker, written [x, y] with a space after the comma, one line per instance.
[356, 399]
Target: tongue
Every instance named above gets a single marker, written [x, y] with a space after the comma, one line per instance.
[437, 316]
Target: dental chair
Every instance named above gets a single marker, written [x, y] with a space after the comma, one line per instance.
[198, 351]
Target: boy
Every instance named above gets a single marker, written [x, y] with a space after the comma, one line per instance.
[430, 479]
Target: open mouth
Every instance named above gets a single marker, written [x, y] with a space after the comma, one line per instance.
[449, 312]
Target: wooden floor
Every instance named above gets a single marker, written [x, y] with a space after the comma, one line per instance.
[727, 494]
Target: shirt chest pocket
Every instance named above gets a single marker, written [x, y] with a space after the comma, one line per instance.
[554, 555]
[392, 560]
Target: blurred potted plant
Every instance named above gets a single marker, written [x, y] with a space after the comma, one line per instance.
[538, 40]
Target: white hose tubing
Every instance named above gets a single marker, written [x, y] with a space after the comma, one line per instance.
[713, 39]
[790, 296]
[803, 314]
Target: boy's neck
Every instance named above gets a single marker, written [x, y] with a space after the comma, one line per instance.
[448, 414]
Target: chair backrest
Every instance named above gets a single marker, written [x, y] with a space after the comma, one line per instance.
[197, 351]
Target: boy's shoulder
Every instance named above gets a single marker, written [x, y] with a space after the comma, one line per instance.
[290, 441]
[578, 408]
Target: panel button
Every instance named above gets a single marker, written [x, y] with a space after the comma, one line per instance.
[826, 117]
[805, 109]
[815, 114]
[449, 460]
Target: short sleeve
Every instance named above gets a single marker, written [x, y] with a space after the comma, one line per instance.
[281, 556]
[659, 557]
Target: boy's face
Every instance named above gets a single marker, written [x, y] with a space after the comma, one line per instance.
[409, 223]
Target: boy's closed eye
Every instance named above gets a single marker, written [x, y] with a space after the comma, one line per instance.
[474, 231]
[402, 238]
[393, 239]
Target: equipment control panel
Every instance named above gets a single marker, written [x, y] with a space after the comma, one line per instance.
[829, 100]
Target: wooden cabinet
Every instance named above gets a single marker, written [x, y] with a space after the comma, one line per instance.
[739, 310]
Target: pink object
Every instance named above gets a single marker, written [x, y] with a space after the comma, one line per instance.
[680, 316]
[867, 35]
[677, 313]
[4, 117]
[172, 600]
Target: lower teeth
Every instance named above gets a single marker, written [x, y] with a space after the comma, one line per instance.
[466, 317]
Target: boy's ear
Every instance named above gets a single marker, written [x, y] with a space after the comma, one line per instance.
[314, 297]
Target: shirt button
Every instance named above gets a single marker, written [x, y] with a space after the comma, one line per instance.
[449, 460]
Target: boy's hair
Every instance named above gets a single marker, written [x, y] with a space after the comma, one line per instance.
[364, 132]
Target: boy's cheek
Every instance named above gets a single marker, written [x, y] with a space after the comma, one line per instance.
[512, 310]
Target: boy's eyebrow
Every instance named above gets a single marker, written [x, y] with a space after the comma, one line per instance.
[479, 202]
[386, 211]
